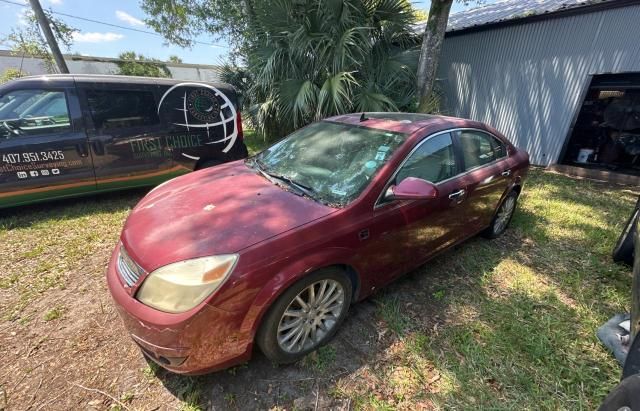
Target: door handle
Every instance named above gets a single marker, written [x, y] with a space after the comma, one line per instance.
[506, 173]
[457, 194]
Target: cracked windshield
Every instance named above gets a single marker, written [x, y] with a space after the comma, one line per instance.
[332, 162]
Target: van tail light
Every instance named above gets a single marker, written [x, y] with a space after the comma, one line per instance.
[239, 126]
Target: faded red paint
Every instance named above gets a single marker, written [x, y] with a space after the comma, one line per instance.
[280, 237]
[219, 210]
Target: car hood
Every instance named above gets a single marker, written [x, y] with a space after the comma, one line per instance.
[218, 210]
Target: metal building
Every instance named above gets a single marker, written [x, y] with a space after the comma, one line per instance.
[530, 68]
[103, 65]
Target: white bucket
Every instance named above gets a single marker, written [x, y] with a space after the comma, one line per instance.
[583, 155]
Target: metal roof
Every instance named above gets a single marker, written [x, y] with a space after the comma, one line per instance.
[76, 57]
[507, 10]
[109, 78]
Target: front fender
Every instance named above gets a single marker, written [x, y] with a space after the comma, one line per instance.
[290, 275]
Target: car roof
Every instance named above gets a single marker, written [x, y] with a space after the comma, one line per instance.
[406, 123]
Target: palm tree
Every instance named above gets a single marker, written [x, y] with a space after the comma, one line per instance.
[315, 58]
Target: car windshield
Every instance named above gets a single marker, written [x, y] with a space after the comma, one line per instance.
[331, 162]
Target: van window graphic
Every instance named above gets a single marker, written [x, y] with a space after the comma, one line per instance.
[197, 106]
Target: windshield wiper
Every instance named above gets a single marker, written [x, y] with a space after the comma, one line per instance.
[300, 188]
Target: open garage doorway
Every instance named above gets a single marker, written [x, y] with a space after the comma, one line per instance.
[606, 133]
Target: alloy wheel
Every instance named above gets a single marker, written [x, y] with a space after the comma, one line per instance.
[312, 314]
[504, 214]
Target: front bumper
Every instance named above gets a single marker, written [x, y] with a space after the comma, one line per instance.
[202, 340]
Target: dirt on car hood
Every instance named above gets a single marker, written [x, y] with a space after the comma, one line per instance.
[219, 210]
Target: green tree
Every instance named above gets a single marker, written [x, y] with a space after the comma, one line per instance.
[28, 39]
[421, 15]
[241, 79]
[132, 64]
[11, 74]
[181, 21]
[319, 58]
[175, 59]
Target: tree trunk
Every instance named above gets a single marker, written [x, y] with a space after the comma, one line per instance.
[430, 51]
[48, 34]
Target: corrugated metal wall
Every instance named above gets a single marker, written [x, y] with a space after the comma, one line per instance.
[528, 80]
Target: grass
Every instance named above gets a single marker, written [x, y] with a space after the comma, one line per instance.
[188, 390]
[520, 313]
[439, 295]
[45, 243]
[321, 359]
[393, 314]
[508, 323]
[54, 314]
[254, 142]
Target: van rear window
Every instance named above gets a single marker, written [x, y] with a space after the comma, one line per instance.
[122, 108]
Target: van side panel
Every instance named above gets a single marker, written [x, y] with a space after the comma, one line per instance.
[202, 120]
[124, 133]
[44, 150]
[110, 132]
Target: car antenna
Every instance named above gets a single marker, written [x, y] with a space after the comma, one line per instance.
[363, 117]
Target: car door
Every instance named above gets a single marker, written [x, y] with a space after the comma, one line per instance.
[43, 144]
[407, 233]
[487, 175]
[126, 137]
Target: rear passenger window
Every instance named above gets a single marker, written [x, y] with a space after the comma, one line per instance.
[33, 112]
[479, 148]
[122, 108]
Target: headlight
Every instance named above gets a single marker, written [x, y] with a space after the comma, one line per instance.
[180, 286]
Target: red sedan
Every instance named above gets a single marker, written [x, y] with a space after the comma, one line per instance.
[275, 249]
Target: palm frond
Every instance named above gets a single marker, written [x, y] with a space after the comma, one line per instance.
[369, 100]
[316, 58]
[335, 95]
[350, 49]
[298, 100]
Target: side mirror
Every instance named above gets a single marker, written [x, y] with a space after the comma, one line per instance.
[412, 188]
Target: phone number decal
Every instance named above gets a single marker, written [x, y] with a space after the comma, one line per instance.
[32, 157]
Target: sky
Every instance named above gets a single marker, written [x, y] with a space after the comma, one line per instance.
[100, 40]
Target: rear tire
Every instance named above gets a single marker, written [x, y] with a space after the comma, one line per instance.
[503, 216]
[301, 320]
[623, 251]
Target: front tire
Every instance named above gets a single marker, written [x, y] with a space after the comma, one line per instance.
[306, 316]
[503, 216]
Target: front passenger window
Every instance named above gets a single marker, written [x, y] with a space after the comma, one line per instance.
[433, 161]
[33, 112]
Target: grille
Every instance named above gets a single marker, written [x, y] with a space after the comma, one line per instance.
[130, 272]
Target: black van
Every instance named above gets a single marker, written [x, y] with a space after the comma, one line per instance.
[68, 135]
